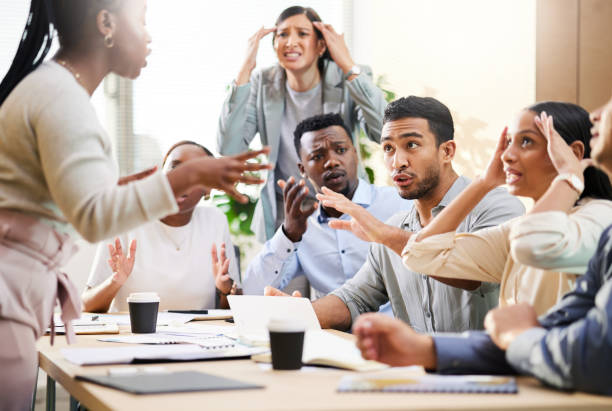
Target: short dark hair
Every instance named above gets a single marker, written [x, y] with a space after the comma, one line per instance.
[315, 123]
[437, 115]
[183, 143]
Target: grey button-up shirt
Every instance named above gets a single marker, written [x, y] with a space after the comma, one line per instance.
[428, 305]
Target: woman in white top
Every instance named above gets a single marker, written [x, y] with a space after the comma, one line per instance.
[171, 257]
[534, 262]
[57, 171]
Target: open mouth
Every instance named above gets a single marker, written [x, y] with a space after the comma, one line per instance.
[512, 176]
[292, 55]
[403, 180]
[334, 177]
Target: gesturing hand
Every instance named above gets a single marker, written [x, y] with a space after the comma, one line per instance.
[336, 45]
[251, 56]
[220, 269]
[295, 217]
[494, 173]
[561, 154]
[137, 176]
[506, 323]
[121, 264]
[388, 340]
[223, 173]
[363, 224]
[275, 292]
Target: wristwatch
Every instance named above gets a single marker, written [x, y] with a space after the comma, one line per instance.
[573, 180]
[356, 70]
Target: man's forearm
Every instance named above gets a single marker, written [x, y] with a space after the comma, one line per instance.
[98, 299]
[332, 313]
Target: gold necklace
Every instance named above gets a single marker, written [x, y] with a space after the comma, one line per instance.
[169, 237]
[71, 69]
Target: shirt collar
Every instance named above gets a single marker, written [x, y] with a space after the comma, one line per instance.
[362, 196]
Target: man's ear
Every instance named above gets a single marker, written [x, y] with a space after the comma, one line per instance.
[301, 168]
[105, 22]
[578, 149]
[447, 150]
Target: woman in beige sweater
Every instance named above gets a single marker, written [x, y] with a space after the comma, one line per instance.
[57, 171]
[535, 258]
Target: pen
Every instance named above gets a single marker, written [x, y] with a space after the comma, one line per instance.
[188, 311]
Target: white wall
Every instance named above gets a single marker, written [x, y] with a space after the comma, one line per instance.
[476, 56]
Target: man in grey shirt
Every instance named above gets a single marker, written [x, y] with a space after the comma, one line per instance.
[418, 147]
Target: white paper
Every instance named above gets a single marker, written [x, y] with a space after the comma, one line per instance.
[163, 318]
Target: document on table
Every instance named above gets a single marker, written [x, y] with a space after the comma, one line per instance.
[147, 353]
[86, 324]
[163, 318]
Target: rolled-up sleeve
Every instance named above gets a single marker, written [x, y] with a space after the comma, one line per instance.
[479, 256]
[557, 241]
[366, 291]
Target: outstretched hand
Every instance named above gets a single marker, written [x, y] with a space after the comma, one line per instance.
[275, 292]
[220, 269]
[121, 264]
[561, 154]
[363, 224]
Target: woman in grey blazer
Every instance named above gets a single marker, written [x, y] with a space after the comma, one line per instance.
[315, 74]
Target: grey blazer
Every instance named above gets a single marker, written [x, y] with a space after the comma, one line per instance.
[258, 107]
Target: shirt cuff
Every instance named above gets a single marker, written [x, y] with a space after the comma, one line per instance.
[520, 351]
[281, 244]
[352, 306]
[156, 197]
[451, 353]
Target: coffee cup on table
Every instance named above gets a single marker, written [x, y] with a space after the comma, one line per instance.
[143, 312]
[286, 343]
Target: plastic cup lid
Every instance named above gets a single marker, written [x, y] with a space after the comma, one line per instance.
[143, 298]
[285, 325]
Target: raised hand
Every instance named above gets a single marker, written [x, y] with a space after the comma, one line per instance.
[385, 339]
[121, 264]
[561, 154]
[363, 224]
[294, 194]
[137, 176]
[504, 324]
[336, 45]
[494, 174]
[220, 269]
[251, 56]
[275, 292]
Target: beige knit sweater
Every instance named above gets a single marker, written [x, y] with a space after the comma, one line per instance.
[56, 162]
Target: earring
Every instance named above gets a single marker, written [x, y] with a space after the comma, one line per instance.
[108, 41]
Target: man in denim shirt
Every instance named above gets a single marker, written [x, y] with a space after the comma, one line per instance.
[570, 347]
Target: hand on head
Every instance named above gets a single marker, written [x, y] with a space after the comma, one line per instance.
[250, 60]
[385, 339]
[220, 269]
[275, 292]
[563, 157]
[504, 324]
[494, 174]
[336, 45]
[121, 264]
[363, 224]
[295, 223]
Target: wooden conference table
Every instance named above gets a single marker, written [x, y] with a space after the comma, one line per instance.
[308, 389]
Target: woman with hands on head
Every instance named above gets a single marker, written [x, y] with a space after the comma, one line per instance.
[57, 172]
[171, 257]
[535, 262]
[315, 74]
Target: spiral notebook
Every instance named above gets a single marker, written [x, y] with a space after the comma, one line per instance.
[473, 384]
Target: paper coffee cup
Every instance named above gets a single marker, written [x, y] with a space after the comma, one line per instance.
[143, 312]
[286, 343]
